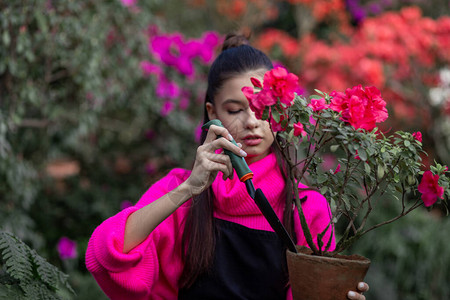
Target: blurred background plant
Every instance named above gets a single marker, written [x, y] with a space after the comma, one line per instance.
[98, 99]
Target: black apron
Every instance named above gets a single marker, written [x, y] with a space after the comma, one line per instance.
[248, 264]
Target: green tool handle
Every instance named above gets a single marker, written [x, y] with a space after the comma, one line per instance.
[238, 162]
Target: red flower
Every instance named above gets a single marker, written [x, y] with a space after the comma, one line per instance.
[430, 189]
[299, 130]
[338, 169]
[259, 101]
[281, 84]
[256, 82]
[418, 136]
[318, 104]
[362, 108]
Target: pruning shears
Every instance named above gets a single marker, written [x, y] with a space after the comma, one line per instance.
[245, 175]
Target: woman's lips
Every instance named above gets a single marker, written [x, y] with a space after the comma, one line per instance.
[252, 140]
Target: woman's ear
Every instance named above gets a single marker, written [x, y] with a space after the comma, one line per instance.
[211, 110]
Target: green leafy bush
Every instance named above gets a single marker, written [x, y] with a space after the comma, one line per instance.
[25, 274]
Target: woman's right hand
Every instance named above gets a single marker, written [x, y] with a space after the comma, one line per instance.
[208, 163]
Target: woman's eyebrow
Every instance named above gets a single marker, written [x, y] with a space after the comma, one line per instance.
[232, 101]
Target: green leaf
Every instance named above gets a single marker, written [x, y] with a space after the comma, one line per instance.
[362, 154]
[367, 169]
[276, 115]
[334, 148]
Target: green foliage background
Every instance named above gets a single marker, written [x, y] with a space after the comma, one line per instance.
[71, 90]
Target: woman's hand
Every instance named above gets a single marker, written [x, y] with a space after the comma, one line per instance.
[362, 287]
[208, 163]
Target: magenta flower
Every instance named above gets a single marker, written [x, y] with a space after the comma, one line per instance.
[167, 107]
[128, 3]
[167, 89]
[338, 169]
[125, 204]
[430, 189]
[362, 108]
[318, 104]
[299, 130]
[418, 136]
[281, 84]
[148, 68]
[67, 249]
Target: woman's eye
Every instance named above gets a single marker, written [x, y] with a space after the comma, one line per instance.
[233, 112]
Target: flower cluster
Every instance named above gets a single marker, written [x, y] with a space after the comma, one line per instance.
[391, 50]
[362, 108]
[371, 166]
[175, 52]
[278, 90]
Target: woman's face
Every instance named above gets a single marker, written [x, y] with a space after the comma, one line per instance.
[231, 108]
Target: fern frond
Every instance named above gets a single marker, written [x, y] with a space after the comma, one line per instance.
[36, 290]
[49, 274]
[11, 292]
[16, 257]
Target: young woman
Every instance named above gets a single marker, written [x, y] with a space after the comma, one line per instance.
[197, 235]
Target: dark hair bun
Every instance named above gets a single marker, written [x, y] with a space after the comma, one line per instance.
[233, 40]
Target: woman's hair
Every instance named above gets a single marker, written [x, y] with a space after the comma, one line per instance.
[198, 242]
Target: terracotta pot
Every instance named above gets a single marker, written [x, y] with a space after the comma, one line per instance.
[324, 278]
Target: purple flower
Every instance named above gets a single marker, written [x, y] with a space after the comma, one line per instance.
[167, 89]
[150, 134]
[125, 204]
[67, 249]
[128, 3]
[167, 107]
[148, 68]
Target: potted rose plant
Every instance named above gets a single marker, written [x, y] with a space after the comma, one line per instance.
[370, 167]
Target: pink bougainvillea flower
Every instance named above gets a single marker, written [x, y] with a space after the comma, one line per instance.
[281, 84]
[430, 189]
[338, 169]
[418, 136]
[148, 68]
[167, 107]
[361, 108]
[299, 130]
[67, 249]
[128, 3]
[125, 204]
[167, 89]
[318, 104]
[150, 134]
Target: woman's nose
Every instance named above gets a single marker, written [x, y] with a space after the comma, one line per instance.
[251, 121]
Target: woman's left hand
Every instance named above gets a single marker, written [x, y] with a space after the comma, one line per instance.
[362, 287]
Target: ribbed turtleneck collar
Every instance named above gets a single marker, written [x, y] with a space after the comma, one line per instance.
[233, 203]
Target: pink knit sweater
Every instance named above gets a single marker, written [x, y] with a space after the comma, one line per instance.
[151, 270]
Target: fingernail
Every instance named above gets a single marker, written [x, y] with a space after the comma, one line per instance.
[360, 285]
[351, 294]
[243, 153]
[230, 137]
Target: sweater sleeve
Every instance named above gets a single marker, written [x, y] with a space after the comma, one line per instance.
[132, 275]
[318, 216]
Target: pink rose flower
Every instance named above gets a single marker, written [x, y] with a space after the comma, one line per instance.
[430, 189]
[418, 136]
[362, 108]
[299, 130]
[281, 84]
[338, 169]
[67, 249]
[318, 104]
